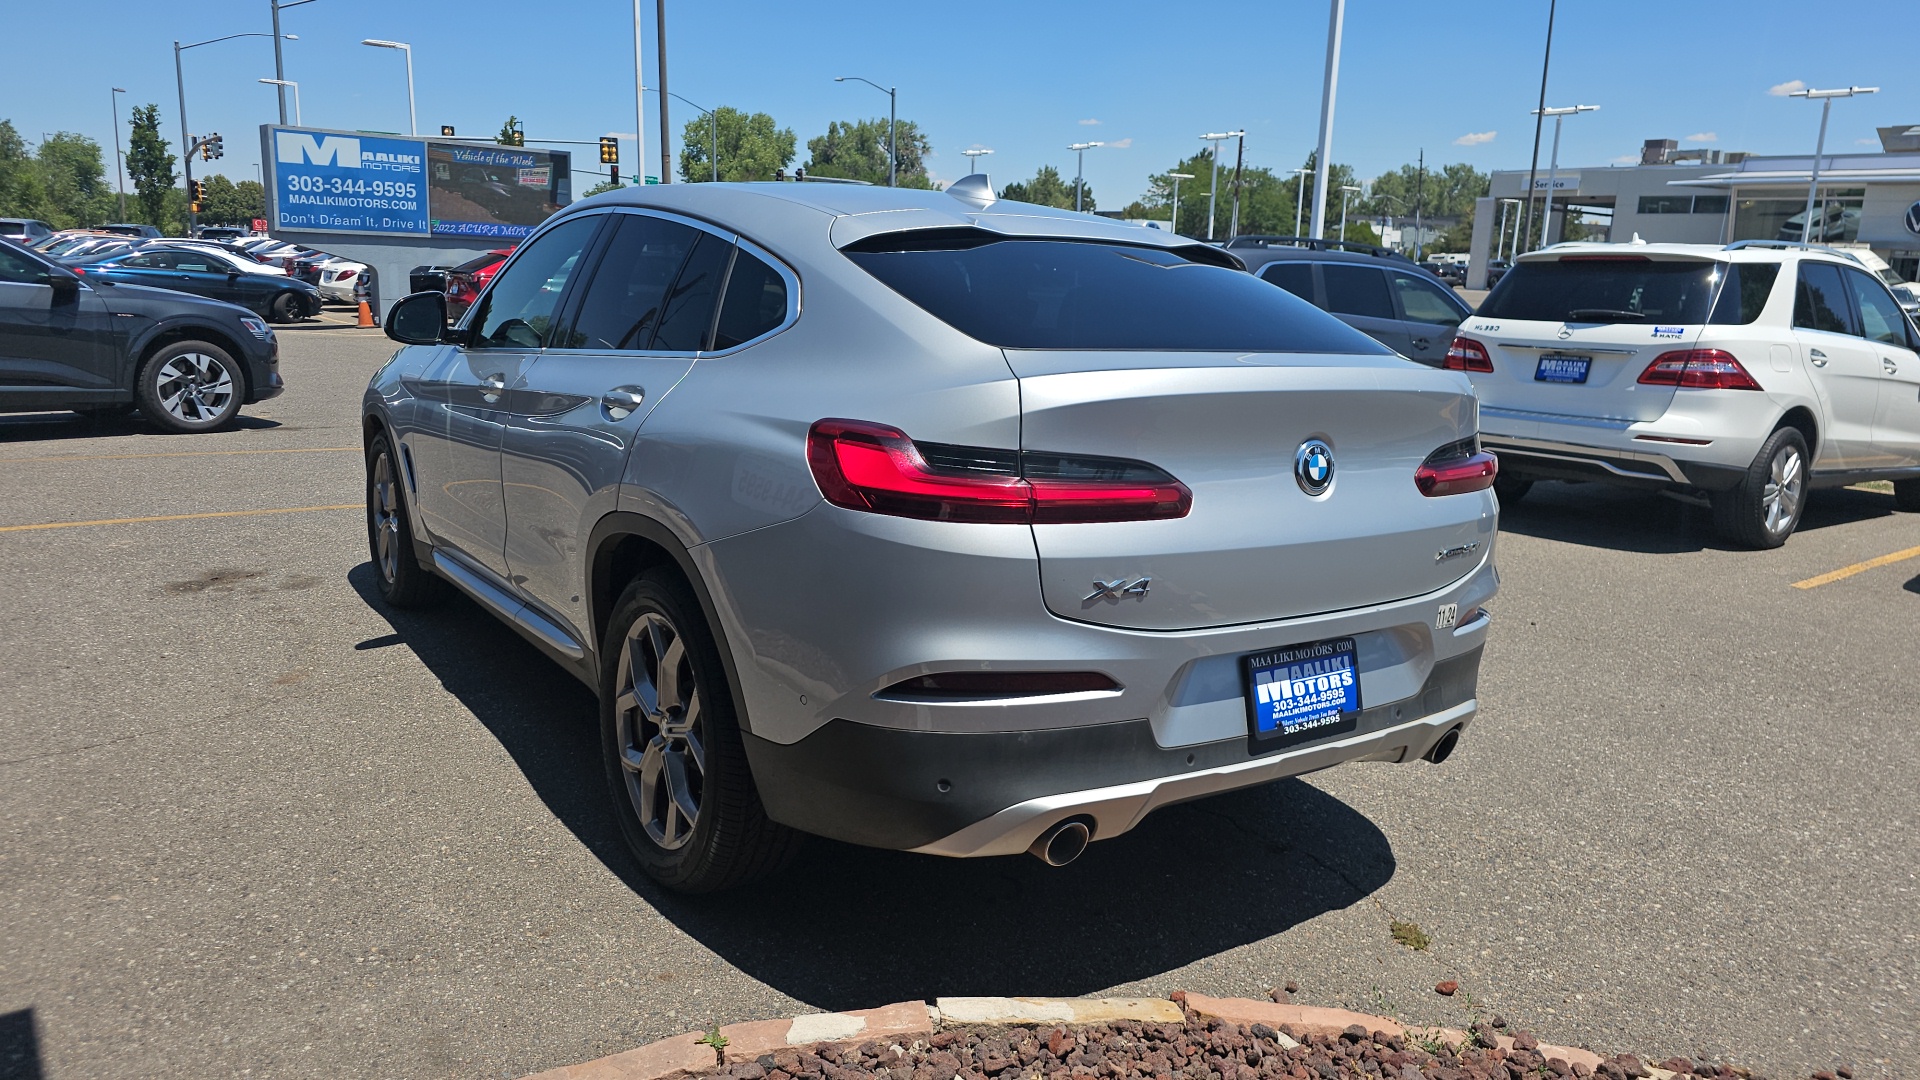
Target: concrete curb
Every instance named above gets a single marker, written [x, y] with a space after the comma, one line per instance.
[831, 1033]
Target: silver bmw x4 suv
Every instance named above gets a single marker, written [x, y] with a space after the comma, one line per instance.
[932, 522]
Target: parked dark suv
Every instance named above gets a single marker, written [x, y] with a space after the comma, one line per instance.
[1372, 289]
[101, 348]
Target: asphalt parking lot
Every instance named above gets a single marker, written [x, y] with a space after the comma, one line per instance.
[258, 825]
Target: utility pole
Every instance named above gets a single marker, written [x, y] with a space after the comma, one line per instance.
[279, 64]
[1419, 197]
[639, 105]
[1323, 162]
[119, 160]
[666, 140]
[1539, 118]
[186, 140]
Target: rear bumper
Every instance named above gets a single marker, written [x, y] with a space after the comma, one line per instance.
[992, 793]
[1552, 460]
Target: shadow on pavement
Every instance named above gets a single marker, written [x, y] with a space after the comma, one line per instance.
[851, 927]
[1648, 522]
[49, 426]
[19, 1047]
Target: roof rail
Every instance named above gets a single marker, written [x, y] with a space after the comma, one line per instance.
[1312, 244]
[1738, 245]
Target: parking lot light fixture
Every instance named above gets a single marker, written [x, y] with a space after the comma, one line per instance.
[971, 155]
[893, 120]
[119, 160]
[1553, 165]
[1300, 198]
[296, 94]
[1346, 198]
[413, 125]
[1825, 98]
[1173, 215]
[1079, 170]
[1323, 156]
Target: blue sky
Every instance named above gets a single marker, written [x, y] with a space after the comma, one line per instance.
[1147, 78]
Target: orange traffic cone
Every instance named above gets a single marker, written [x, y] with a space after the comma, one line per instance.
[366, 315]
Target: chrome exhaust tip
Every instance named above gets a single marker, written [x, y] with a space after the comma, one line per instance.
[1063, 843]
[1443, 749]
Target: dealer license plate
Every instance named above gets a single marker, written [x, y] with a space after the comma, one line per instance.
[1302, 692]
[1555, 367]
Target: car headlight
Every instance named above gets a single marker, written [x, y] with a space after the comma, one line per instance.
[258, 327]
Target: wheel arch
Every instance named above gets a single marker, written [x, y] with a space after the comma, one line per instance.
[1801, 419]
[174, 334]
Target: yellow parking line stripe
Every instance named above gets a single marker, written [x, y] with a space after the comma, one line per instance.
[1857, 568]
[178, 517]
[183, 453]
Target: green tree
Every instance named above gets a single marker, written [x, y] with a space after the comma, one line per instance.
[604, 185]
[858, 151]
[509, 132]
[21, 193]
[228, 203]
[1048, 188]
[751, 147]
[150, 165]
[74, 179]
[1444, 191]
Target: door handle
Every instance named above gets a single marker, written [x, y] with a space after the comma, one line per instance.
[621, 401]
[1887, 364]
[1419, 343]
[494, 385]
[1819, 358]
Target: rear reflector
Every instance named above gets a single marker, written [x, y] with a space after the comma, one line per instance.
[962, 685]
[1698, 369]
[1456, 469]
[878, 469]
[1466, 354]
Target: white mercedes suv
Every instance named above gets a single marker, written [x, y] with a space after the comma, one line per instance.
[1751, 373]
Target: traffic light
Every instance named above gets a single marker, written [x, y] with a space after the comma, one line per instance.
[446, 131]
[609, 150]
[519, 137]
[211, 148]
[196, 195]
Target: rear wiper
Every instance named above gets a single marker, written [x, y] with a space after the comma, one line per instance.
[1601, 314]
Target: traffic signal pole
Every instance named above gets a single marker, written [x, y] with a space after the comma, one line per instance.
[186, 140]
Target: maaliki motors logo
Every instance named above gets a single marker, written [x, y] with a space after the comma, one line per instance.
[338, 151]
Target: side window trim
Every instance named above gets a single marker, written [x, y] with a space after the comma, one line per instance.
[792, 280]
[576, 291]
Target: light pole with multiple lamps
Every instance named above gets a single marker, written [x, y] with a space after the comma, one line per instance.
[119, 160]
[893, 120]
[283, 84]
[971, 155]
[1213, 184]
[1173, 214]
[1825, 98]
[1079, 170]
[188, 146]
[1346, 198]
[1553, 165]
[413, 124]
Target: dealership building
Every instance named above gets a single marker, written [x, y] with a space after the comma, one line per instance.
[1715, 197]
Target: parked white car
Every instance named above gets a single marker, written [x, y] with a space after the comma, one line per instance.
[1751, 373]
[338, 277]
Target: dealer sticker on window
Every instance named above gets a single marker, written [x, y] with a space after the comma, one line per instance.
[1669, 331]
[1303, 692]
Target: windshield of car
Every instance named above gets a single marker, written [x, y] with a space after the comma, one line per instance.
[1606, 288]
[1065, 294]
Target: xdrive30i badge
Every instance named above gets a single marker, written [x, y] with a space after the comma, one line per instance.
[1456, 552]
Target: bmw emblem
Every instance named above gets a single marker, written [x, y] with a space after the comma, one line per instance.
[1313, 467]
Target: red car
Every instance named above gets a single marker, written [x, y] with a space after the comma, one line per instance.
[465, 281]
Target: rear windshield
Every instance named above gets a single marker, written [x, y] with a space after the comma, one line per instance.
[1064, 294]
[1606, 289]
[474, 266]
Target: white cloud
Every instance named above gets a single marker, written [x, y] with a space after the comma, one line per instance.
[1702, 136]
[1785, 88]
[1089, 123]
[1120, 144]
[1475, 138]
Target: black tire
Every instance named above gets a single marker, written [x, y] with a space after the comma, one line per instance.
[285, 307]
[730, 840]
[403, 582]
[1511, 488]
[1751, 515]
[190, 387]
[1906, 496]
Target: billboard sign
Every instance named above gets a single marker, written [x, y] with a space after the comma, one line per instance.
[354, 182]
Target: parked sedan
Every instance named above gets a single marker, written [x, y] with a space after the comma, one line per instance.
[281, 298]
[874, 516]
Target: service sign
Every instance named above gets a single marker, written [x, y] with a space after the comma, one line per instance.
[333, 182]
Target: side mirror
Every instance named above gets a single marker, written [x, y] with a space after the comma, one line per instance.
[419, 319]
[65, 286]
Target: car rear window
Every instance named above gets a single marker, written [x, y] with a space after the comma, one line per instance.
[1606, 288]
[1067, 294]
[474, 266]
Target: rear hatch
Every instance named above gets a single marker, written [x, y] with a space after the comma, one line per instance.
[1570, 335]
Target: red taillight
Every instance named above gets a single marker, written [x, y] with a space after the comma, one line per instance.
[1466, 354]
[78, 269]
[1456, 470]
[878, 469]
[1698, 369]
[345, 275]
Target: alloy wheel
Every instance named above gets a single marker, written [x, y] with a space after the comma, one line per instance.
[661, 739]
[1785, 487]
[194, 388]
[386, 517]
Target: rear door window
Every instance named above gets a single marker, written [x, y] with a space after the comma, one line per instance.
[755, 303]
[622, 306]
[1295, 277]
[1357, 290]
[1071, 294]
[1880, 317]
[1423, 301]
[1821, 302]
[1606, 289]
[686, 320]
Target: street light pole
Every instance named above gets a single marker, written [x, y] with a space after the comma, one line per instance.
[413, 124]
[1079, 171]
[1239, 159]
[639, 106]
[893, 120]
[714, 124]
[1336, 18]
[119, 160]
[660, 43]
[970, 155]
[1825, 97]
[1553, 166]
[1300, 198]
[1173, 215]
[1540, 116]
[186, 140]
[1346, 197]
[283, 84]
[1213, 183]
